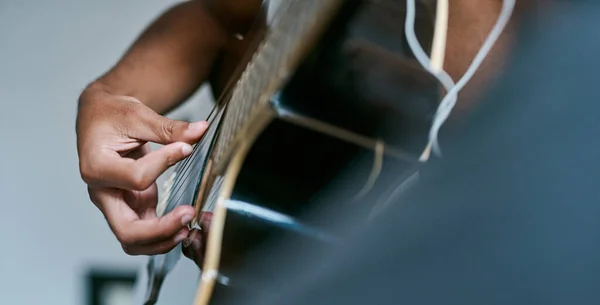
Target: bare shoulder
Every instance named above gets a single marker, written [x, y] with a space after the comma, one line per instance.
[236, 15]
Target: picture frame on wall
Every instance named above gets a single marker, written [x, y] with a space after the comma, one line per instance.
[110, 287]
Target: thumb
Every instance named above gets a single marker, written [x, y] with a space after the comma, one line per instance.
[160, 129]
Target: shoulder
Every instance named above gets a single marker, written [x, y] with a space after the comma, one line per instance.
[237, 16]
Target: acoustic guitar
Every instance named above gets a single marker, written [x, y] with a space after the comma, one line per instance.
[329, 83]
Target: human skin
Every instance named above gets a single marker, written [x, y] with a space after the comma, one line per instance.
[190, 44]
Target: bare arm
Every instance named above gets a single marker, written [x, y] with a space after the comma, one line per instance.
[169, 60]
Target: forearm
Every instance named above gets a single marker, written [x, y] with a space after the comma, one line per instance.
[169, 60]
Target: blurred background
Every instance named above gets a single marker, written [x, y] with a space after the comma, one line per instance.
[53, 238]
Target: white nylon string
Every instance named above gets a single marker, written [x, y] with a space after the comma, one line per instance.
[449, 100]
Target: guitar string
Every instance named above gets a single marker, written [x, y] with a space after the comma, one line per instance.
[179, 165]
[183, 177]
[184, 164]
[133, 99]
[221, 103]
[182, 171]
[206, 145]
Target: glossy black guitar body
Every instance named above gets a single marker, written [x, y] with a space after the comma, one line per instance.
[356, 93]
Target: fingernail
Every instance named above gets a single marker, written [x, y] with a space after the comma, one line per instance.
[186, 219]
[186, 149]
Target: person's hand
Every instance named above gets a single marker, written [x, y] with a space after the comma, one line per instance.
[120, 170]
[194, 246]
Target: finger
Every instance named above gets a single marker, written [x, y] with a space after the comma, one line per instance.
[111, 170]
[132, 231]
[205, 220]
[148, 231]
[109, 198]
[193, 247]
[139, 152]
[143, 202]
[108, 202]
[156, 128]
[149, 167]
[160, 247]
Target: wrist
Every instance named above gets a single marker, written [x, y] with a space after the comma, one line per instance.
[92, 91]
[100, 90]
[126, 91]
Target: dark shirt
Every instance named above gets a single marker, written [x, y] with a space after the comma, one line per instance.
[511, 214]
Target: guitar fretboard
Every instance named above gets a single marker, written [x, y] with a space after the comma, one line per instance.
[286, 41]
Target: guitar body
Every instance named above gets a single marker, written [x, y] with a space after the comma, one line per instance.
[331, 83]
